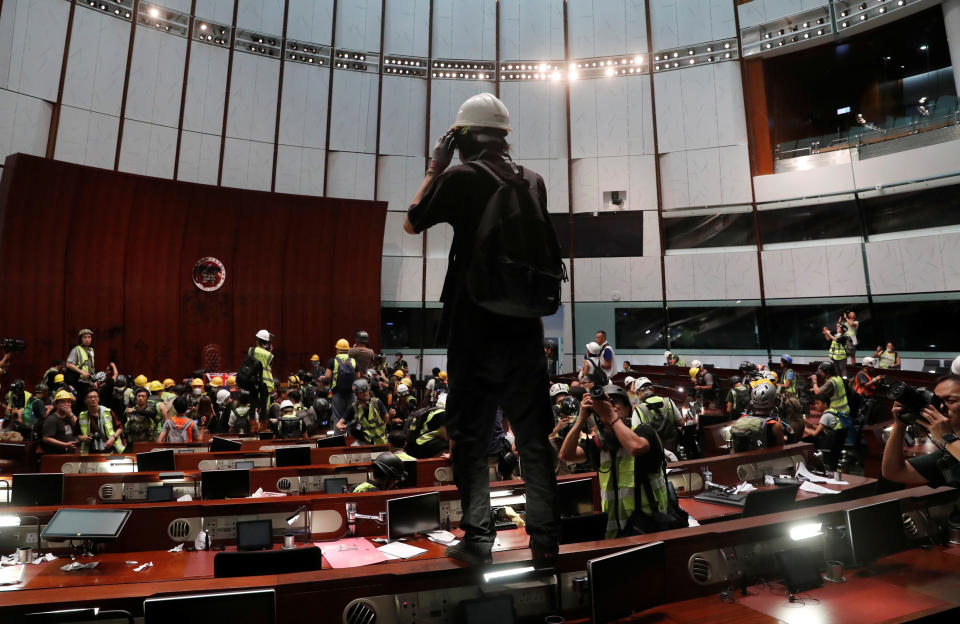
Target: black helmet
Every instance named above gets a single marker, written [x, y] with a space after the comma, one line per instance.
[16, 385]
[569, 406]
[362, 336]
[614, 391]
[828, 369]
[388, 465]
[360, 385]
[40, 387]
[745, 365]
[121, 381]
[735, 380]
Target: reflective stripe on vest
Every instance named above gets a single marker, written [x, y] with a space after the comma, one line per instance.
[862, 388]
[838, 401]
[837, 352]
[106, 428]
[366, 486]
[265, 358]
[430, 435]
[624, 496]
[372, 424]
[888, 360]
[84, 360]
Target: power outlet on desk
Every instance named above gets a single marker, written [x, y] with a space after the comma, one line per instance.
[438, 606]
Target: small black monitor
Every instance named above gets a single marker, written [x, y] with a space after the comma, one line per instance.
[614, 590]
[800, 568]
[588, 528]
[334, 485]
[156, 461]
[224, 484]
[244, 607]
[875, 531]
[575, 498]
[255, 535]
[159, 493]
[40, 489]
[293, 456]
[243, 465]
[86, 524]
[410, 515]
[760, 502]
[332, 441]
[219, 444]
[497, 609]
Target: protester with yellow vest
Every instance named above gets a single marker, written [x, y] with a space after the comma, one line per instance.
[97, 434]
[623, 453]
[887, 358]
[838, 349]
[80, 361]
[263, 353]
[829, 433]
[341, 373]
[826, 384]
[366, 418]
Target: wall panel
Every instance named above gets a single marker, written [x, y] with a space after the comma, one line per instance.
[96, 62]
[358, 25]
[206, 88]
[253, 98]
[265, 17]
[353, 126]
[303, 110]
[403, 116]
[87, 138]
[24, 124]
[531, 29]
[156, 77]
[310, 20]
[32, 35]
[464, 29]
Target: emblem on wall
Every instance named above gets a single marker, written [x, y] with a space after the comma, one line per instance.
[209, 274]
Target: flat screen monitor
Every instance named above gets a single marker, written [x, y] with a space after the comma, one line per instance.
[614, 588]
[244, 607]
[497, 609]
[224, 484]
[293, 456]
[800, 568]
[588, 528]
[243, 465]
[332, 441]
[760, 502]
[875, 531]
[410, 515]
[575, 498]
[255, 535]
[41, 489]
[334, 485]
[222, 444]
[156, 461]
[86, 524]
[159, 493]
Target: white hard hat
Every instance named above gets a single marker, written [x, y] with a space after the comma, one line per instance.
[593, 348]
[222, 396]
[559, 388]
[955, 367]
[667, 354]
[483, 110]
[627, 381]
[641, 382]
[696, 364]
[402, 389]
[263, 335]
[872, 361]
[442, 400]
[286, 403]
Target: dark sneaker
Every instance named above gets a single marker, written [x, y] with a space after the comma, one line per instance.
[471, 553]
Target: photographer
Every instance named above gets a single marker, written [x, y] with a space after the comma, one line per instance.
[888, 358]
[58, 427]
[838, 349]
[97, 434]
[81, 366]
[623, 454]
[828, 386]
[942, 422]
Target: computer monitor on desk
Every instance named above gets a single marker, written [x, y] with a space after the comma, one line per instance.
[222, 444]
[627, 582]
[760, 502]
[86, 524]
[575, 498]
[41, 489]
[156, 461]
[875, 531]
[410, 515]
[224, 484]
[292, 456]
[332, 441]
[246, 607]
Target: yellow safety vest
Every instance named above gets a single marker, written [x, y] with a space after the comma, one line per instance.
[266, 359]
[106, 428]
[837, 352]
[838, 401]
[85, 360]
[618, 499]
[888, 360]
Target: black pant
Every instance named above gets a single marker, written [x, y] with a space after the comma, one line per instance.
[494, 364]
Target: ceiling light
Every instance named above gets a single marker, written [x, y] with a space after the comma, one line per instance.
[676, 54]
[726, 46]
[608, 72]
[154, 12]
[572, 74]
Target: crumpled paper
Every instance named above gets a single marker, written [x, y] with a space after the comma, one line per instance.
[46, 557]
[76, 565]
[176, 548]
[142, 567]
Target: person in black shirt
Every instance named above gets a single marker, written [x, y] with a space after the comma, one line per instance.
[494, 361]
[942, 467]
[60, 425]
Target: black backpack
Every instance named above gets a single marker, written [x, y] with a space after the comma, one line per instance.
[516, 268]
[250, 373]
[346, 373]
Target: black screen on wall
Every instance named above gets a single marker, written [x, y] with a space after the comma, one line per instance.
[606, 235]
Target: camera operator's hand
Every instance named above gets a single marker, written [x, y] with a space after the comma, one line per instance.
[442, 153]
[936, 423]
[602, 408]
[897, 423]
[85, 438]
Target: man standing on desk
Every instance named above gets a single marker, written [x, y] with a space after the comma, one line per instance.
[487, 349]
[942, 467]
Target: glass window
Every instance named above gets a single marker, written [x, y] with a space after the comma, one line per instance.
[639, 328]
[715, 328]
[917, 325]
[401, 328]
[913, 210]
[561, 225]
[814, 222]
[717, 230]
[793, 328]
[606, 235]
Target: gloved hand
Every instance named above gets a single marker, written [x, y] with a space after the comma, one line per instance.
[442, 153]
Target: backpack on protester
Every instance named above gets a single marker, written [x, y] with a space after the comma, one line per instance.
[516, 268]
[250, 374]
[346, 372]
[741, 399]
[748, 433]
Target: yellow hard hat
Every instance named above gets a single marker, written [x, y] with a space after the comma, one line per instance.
[694, 371]
[155, 386]
[140, 380]
[407, 382]
[63, 394]
[442, 375]
[294, 379]
[314, 358]
[217, 381]
[398, 373]
[342, 344]
[231, 380]
[169, 383]
[197, 382]
[58, 378]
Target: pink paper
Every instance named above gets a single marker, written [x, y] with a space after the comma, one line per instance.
[351, 552]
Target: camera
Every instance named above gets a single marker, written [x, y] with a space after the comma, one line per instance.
[913, 400]
[13, 345]
[600, 381]
[96, 441]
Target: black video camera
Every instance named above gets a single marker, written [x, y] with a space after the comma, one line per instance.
[13, 345]
[600, 381]
[913, 400]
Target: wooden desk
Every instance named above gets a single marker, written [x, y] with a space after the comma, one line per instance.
[724, 467]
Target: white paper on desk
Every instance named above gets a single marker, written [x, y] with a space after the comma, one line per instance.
[743, 487]
[46, 557]
[813, 488]
[442, 537]
[11, 575]
[76, 565]
[804, 473]
[399, 550]
[691, 522]
[185, 498]
[144, 566]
